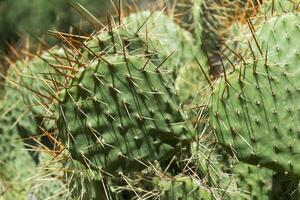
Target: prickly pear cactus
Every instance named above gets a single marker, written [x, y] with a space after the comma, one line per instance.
[14, 122]
[254, 182]
[251, 106]
[272, 37]
[213, 169]
[120, 111]
[18, 116]
[270, 7]
[249, 112]
[37, 76]
[276, 40]
[163, 36]
[191, 84]
[152, 33]
[185, 188]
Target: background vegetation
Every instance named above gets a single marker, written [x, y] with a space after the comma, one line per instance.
[35, 17]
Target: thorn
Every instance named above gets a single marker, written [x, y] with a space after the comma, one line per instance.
[207, 78]
[143, 23]
[252, 30]
[86, 14]
[120, 12]
[165, 59]
[97, 56]
[223, 68]
[233, 66]
[235, 53]
[110, 31]
[252, 52]
[36, 92]
[143, 68]
[208, 60]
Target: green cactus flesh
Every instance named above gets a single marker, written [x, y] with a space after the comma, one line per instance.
[155, 34]
[14, 122]
[277, 38]
[115, 114]
[255, 115]
[255, 111]
[38, 75]
[183, 187]
[18, 125]
[273, 7]
[192, 85]
[255, 182]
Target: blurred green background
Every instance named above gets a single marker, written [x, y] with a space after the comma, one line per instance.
[34, 17]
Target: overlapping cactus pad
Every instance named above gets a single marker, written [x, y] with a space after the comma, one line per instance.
[255, 113]
[255, 109]
[199, 101]
[118, 113]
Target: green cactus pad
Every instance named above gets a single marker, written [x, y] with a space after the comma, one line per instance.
[277, 7]
[254, 182]
[255, 115]
[185, 188]
[277, 38]
[15, 121]
[115, 114]
[255, 110]
[155, 34]
[37, 77]
[192, 85]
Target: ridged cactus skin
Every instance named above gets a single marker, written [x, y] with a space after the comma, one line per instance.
[183, 187]
[254, 109]
[152, 33]
[191, 84]
[254, 182]
[21, 165]
[15, 121]
[115, 114]
[249, 112]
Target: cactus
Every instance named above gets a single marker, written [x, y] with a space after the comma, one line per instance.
[37, 75]
[191, 84]
[150, 108]
[278, 7]
[14, 121]
[250, 106]
[122, 102]
[47, 181]
[118, 114]
[240, 43]
[87, 108]
[160, 41]
[254, 181]
[185, 188]
[18, 119]
[212, 168]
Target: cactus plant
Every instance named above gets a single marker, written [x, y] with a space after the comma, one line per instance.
[254, 181]
[164, 41]
[121, 111]
[18, 126]
[87, 106]
[249, 106]
[14, 122]
[121, 104]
